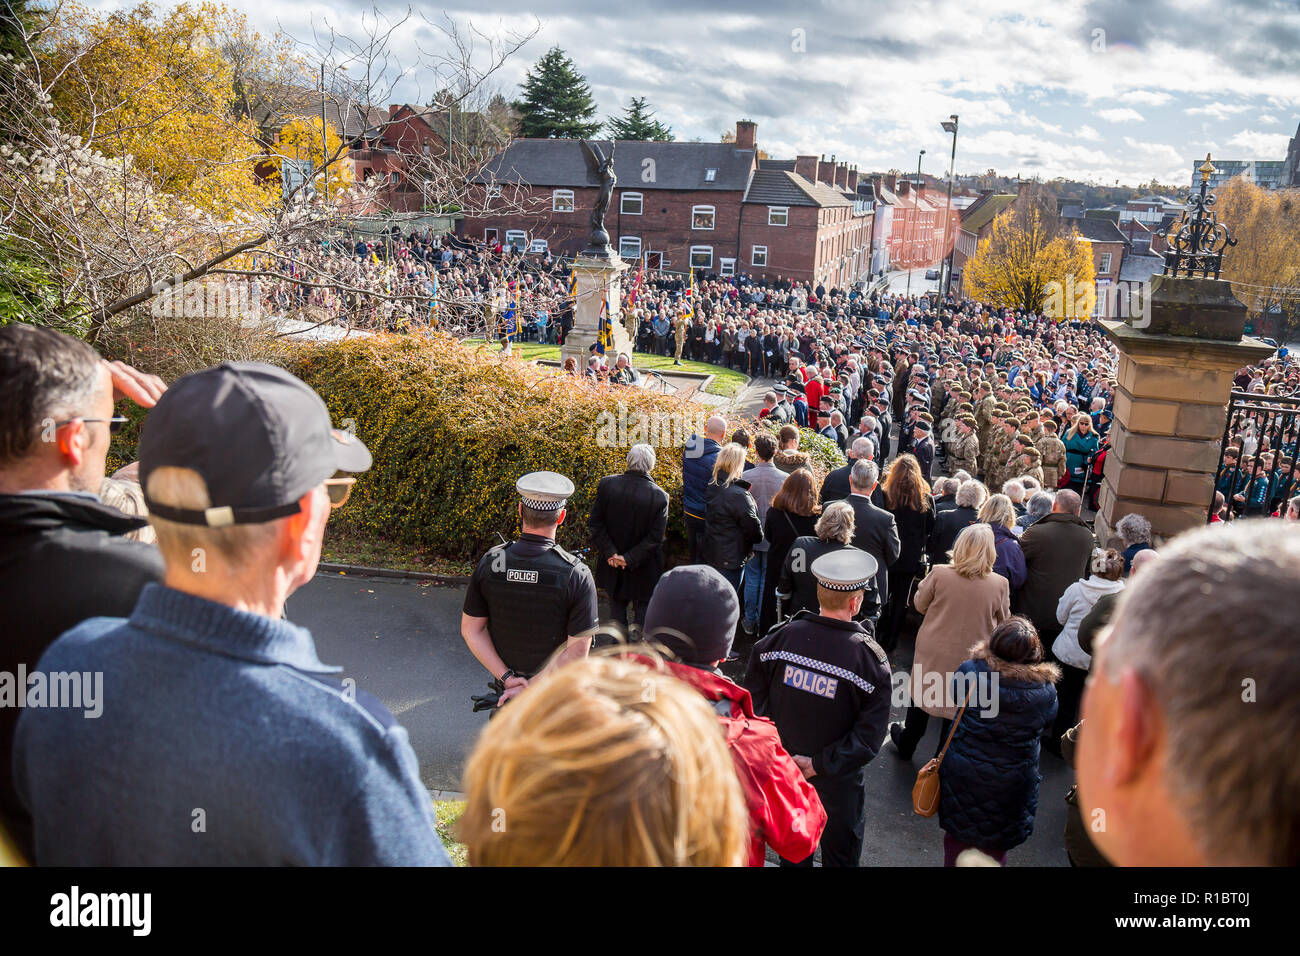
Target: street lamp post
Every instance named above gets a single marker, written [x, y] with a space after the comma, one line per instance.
[324, 143]
[949, 126]
[916, 213]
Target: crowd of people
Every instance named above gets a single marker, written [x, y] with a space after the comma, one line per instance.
[752, 685]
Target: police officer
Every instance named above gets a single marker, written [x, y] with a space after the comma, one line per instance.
[824, 682]
[530, 597]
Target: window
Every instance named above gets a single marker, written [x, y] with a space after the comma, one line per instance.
[629, 204]
[1105, 262]
[701, 217]
[517, 238]
[701, 257]
[396, 177]
[759, 256]
[493, 190]
[562, 200]
[727, 267]
[490, 234]
[778, 215]
[426, 149]
[629, 247]
[710, 174]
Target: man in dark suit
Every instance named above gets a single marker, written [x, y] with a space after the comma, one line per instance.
[923, 447]
[835, 486]
[874, 530]
[627, 523]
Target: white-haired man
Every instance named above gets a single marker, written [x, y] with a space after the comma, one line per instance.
[628, 522]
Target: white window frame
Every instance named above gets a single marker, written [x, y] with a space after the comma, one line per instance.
[491, 233]
[783, 210]
[726, 267]
[510, 240]
[629, 239]
[713, 217]
[755, 253]
[640, 204]
[557, 195]
[493, 190]
[1105, 262]
[700, 249]
[710, 174]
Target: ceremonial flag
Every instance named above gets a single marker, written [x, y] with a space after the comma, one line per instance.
[573, 283]
[604, 329]
[510, 323]
[690, 296]
[636, 286]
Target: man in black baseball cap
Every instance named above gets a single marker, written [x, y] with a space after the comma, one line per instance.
[215, 700]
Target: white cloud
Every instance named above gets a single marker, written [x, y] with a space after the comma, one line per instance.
[1218, 110]
[1087, 132]
[1120, 115]
[1145, 97]
[1261, 145]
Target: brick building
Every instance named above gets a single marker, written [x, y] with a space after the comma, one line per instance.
[714, 207]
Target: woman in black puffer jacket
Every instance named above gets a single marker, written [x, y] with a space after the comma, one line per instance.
[731, 525]
[988, 781]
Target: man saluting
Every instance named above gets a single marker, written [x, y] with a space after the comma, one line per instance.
[529, 597]
[824, 682]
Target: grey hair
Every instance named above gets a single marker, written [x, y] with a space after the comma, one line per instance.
[870, 422]
[1040, 504]
[1014, 489]
[1221, 668]
[864, 474]
[1134, 529]
[836, 523]
[641, 458]
[961, 474]
[971, 494]
[862, 447]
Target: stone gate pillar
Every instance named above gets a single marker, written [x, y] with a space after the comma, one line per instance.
[1174, 379]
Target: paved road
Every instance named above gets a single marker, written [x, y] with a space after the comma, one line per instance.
[401, 641]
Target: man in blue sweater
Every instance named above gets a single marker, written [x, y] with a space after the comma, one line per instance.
[206, 730]
[697, 471]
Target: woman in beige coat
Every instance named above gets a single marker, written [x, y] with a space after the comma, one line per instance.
[962, 602]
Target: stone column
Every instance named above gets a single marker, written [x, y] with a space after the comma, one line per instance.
[597, 279]
[1174, 379]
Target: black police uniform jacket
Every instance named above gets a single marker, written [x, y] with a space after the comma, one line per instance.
[535, 595]
[825, 684]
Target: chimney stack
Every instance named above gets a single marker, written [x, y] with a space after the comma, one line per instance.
[806, 166]
[852, 179]
[891, 182]
[826, 172]
[842, 176]
[746, 134]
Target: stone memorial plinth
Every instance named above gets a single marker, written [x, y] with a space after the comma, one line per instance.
[1174, 380]
[598, 279]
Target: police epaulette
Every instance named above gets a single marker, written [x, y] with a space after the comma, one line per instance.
[876, 649]
[573, 560]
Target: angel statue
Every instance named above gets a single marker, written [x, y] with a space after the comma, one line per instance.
[603, 168]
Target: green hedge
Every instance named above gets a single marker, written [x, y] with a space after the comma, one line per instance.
[452, 427]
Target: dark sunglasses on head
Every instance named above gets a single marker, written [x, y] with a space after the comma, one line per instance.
[114, 424]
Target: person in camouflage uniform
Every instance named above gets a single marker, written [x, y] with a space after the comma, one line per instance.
[1031, 425]
[1052, 456]
[965, 453]
[680, 328]
[1027, 466]
[1000, 452]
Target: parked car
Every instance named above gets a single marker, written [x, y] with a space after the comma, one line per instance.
[932, 273]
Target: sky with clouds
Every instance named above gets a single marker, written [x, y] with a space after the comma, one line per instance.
[1099, 90]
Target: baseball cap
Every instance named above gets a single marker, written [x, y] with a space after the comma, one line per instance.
[259, 437]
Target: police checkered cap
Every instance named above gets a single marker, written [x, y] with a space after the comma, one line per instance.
[544, 490]
[845, 570]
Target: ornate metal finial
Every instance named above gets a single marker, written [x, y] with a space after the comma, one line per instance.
[1196, 244]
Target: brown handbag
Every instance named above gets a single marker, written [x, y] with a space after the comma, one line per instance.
[925, 792]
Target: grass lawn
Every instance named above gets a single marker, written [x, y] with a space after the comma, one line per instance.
[445, 815]
[726, 382]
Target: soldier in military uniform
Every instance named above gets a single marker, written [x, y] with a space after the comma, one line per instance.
[528, 598]
[680, 327]
[1052, 461]
[824, 682]
[1027, 464]
[965, 452]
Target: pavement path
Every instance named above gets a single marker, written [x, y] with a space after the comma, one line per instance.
[400, 640]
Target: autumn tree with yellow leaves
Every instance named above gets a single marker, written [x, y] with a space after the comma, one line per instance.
[1264, 265]
[1031, 261]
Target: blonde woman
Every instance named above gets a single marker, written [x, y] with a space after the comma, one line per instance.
[731, 524]
[1081, 443]
[962, 602]
[604, 763]
[1000, 515]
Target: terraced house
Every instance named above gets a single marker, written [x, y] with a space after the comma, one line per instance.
[720, 208]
